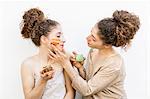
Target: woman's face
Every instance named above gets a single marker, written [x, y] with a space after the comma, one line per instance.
[93, 40]
[56, 34]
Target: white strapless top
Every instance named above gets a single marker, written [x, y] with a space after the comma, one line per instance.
[55, 87]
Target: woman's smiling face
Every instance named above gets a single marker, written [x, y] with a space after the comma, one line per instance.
[93, 40]
[56, 36]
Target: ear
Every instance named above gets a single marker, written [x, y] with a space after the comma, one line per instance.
[44, 39]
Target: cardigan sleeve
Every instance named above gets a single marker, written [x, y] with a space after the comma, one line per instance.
[98, 82]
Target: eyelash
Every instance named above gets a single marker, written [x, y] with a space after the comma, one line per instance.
[93, 37]
[58, 35]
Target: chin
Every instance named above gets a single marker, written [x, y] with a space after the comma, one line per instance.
[91, 46]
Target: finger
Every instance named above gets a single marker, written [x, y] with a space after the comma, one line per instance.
[50, 68]
[74, 63]
[46, 74]
[82, 62]
[42, 75]
[50, 74]
[54, 47]
[62, 54]
[72, 59]
[75, 53]
[57, 50]
[51, 57]
[50, 77]
[59, 53]
[72, 55]
[43, 71]
[52, 54]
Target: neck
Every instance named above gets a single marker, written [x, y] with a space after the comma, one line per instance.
[43, 54]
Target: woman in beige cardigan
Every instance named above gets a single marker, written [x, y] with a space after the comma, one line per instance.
[104, 76]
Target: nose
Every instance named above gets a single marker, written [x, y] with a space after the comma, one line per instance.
[87, 38]
[63, 39]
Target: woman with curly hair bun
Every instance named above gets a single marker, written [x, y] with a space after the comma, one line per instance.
[42, 77]
[103, 77]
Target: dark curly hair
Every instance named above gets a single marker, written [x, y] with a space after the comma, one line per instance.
[119, 30]
[35, 25]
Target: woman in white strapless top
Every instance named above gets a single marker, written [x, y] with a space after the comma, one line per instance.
[37, 83]
[55, 87]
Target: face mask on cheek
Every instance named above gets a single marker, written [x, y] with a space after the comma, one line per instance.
[56, 42]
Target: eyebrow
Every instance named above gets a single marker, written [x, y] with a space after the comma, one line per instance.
[59, 32]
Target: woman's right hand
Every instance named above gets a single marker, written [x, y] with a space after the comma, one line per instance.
[47, 73]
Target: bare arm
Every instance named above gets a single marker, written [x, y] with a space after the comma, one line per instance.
[100, 80]
[31, 91]
[97, 83]
[70, 91]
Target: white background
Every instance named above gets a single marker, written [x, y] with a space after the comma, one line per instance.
[77, 19]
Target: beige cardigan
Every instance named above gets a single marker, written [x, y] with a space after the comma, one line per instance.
[103, 80]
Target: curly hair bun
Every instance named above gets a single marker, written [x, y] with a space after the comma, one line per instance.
[31, 18]
[127, 26]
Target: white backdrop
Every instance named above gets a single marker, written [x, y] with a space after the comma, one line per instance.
[77, 19]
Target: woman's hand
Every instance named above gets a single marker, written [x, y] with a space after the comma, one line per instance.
[74, 62]
[59, 56]
[47, 73]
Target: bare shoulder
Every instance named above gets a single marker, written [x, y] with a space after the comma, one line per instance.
[27, 74]
[28, 62]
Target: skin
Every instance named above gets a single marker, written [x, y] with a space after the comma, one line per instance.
[32, 91]
[100, 52]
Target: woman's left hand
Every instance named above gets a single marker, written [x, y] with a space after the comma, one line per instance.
[59, 56]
